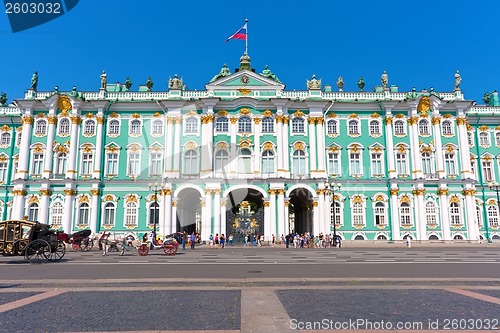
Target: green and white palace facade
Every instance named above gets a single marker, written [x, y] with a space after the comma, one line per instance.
[245, 155]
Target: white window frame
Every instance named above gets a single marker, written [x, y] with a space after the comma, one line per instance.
[399, 127]
[450, 163]
[5, 139]
[114, 127]
[492, 212]
[245, 161]
[60, 165]
[191, 126]
[33, 211]
[374, 126]
[298, 125]
[423, 127]
[267, 125]
[157, 127]
[447, 127]
[89, 127]
[40, 127]
[191, 165]
[334, 163]
[56, 213]
[455, 212]
[83, 214]
[401, 159]
[353, 127]
[37, 165]
[109, 214]
[268, 161]
[133, 163]
[135, 127]
[112, 163]
[332, 127]
[405, 215]
[380, 214]
[155, 163]
[222, 124]
[299, 165]
[355, 164]
[221, 161]
[131, 213]
[358, 214]
[4, 167]
[376, 163]
[431, 213]
[64, 127]
[484, 139]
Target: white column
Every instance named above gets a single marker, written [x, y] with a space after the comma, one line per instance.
[320, 134]
[415, 149]
[49, 151]
[268, 230]
[312, 146]
[281, 214]
[272, 211]
[256, 147]
[390, 149]
[463, 150]
[444, 207]
[43, 212]
[169, 139]
[217, 220]
[169, 226]
[18, 203]
[287, 220]
[174, 215]
[436, 124]
[24, 150]
[395, 225]
[162, 231]
[316, 217]
[223, 217]
[206, 215]
[470, 213]
[280, 151]
[285, 151]
[420, 221]
[69, 203]
[207, 144]
[321, 208]
[73, 147]
[94, 209]
[177, 146]
[233, 157]
[99, 149]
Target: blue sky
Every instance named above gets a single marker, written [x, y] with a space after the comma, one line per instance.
[419, 43]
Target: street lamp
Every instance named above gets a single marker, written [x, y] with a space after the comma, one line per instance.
[155, 188]
[332, 186]
[495, 187]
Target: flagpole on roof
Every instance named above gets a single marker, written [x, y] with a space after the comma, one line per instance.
[246, 39]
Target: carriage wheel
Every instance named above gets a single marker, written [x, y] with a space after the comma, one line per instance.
[75, 246]
[37, 251]
[143, 250]
[57, 253]
[170, 249]
[86, 244]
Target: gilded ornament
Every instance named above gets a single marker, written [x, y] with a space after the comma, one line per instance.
[454, 199]
[109, 197]
[100, 120]
[244, 111]
[357, 199]
[83, 198]
[76, 120]
[69, 192]
[461, 121]
[298, 146]
[298, 113]
[375, 115]
[257, 120]
[353, 116]
[311, 120]
[268, 146]
[190, 145]
[267, 113]
[45, 192]
[244, 91]
[33, 199]
[52, 120]
[436, 120]
[19, 193]
[447, 116]
[135, 116]
[94, 192]
[27, 120]
[388, 121]
[114, 115]
[469, 127]
[394, 191]
[405, 199]
[315, 204]
[469, 192]
[63, 103]
[419, 192]
[332, 115]
[484, 128]
[424, 105]
[442, 191]
[285, 120]
[233, 120]
[413, 120]
[400, 116]
[222, 113]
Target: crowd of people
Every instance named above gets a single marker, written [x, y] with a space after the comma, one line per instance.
[307, 240]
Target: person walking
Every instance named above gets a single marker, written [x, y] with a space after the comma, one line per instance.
[193, 240]
[184, 239]
[222, 241]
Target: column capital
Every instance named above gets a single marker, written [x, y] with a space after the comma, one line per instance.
[45, 192]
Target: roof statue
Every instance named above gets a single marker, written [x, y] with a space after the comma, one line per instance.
[34, 81]
[149, 83]
[104, 80]
[128, 83]
[267, 73]
[56, 90]
[313, 84]
[73, 92]
[224, 71]
[486, 98]
[175, 83]
[245, 62]
[413, 94]
[3, 99]
[385, 80]
[361, 83]
[458, 79]
[340, 83]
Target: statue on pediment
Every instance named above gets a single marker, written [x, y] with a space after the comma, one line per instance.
[458, 79]
[34, 81]
[224, 71]
[104, 80]
[340, 83]
[175, 83]
[3, 99]
[486, 98]
[267, 73]
[361, 83]
[313, 84]
[128, 83]
[384, 79]
[149, 83]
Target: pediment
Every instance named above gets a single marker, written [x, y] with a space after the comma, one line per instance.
[245, 79]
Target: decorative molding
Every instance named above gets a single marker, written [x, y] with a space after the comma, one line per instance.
[442, 191]
[45, 192]
[69, 192]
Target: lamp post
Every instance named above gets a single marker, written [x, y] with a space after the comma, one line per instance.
[495, 187]
[155, 188]
[333, 187]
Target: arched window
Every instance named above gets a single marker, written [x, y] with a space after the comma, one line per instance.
[332, 127]
[431, 213]
[380, 214]
[157, 127]
[89, 128]
[5, 139]
[381, 237]
[267, 125]
[493, 215]
[298, 125]
[84, 214]
[221, 160]
[60, 165]
[484, 139]
[299, 162]
[221, 124]
[135, 127]
[455, 214]
[191, 125]
[131, 213]
[358, 215]
[353, 127]
[64, 126]
[267, 161]
[154, 213]
[56, 213]
[399, 127]
[446, 127]
[33, 212]
[245, 124]
[458, 237]
[423, 127]
[41, 127]
[109, 214]
[114, 127]
[404, 214]
[191, 162]
[245, 161]
[374, 127]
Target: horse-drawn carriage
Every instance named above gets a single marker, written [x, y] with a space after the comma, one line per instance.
[80, 240]
[170, 246]
[35, 241]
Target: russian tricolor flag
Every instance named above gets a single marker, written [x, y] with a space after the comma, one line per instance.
[240, 34]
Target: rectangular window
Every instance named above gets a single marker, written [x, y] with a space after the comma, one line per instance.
[355, 164]
[334, 163]
[3, 172]
[37, 164]
[401, 164]
[87, 163]
[449, 164]
[134, 164]
[112, 164]
[376, 164]
[155, 169]
[488, 171]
